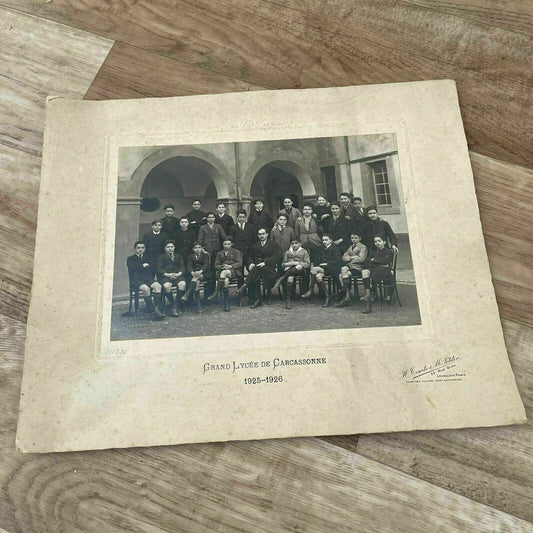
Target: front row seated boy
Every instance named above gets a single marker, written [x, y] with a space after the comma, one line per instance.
[378, 269]
[329, 265]
[171, 273]
[228, 266]
[355, 260]
[199, 267]
[295, 263]
[142, 278]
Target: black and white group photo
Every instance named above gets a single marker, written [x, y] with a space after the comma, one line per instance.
[259, 237]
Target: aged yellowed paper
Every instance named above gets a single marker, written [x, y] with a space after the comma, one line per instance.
[100, 374]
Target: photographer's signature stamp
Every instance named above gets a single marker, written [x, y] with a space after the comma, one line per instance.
[444, 369]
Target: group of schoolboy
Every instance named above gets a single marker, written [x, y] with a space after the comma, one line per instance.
[339, 239]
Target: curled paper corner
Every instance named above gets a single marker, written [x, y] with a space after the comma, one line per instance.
[50, 98]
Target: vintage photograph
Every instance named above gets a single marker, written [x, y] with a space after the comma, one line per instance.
[258, 237]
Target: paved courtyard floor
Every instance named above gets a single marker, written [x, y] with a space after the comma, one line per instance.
[305, 315]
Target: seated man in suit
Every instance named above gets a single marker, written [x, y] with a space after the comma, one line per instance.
[295, 263]
[354, 260]
[378, 269]
[222, 218]
[142, 278]
[329, 265]
[171, 273]
[243, 233]
[199, 268]
[262, 260]
[228, 266]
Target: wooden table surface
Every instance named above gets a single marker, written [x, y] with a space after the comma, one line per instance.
[460, 480]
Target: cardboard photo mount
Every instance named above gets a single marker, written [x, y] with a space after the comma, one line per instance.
[82, 391]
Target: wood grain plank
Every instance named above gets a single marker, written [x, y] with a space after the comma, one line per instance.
[311, 43]
[505, 197]
[19, 192]
[490, 465]
[278, 485]
[513, 15]
[130, 72]
[39, 58]
[49, 57]
[21, 116]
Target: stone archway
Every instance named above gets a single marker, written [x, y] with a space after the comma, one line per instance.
[224, 181]
[290, 162]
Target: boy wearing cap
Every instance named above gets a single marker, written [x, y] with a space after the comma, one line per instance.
[259, 217]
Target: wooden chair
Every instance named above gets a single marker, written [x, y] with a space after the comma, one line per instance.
[389, 285]
[134, 298]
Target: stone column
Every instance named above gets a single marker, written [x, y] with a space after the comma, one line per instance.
[246, 204]
[126, 233]
[345, 181]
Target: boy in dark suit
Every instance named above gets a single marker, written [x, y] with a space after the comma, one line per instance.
[222, 218]
[155, 241]
[262, 260]
[359, 215]
[329, 265]
[243, 234]
[259, 217]
[169, 221]
[196, 217]
[379, 269]
[142, 278]
[184, 238]
[339, 227]
[171, 273]
[348, 210]
[199, 268]
[374, 227]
